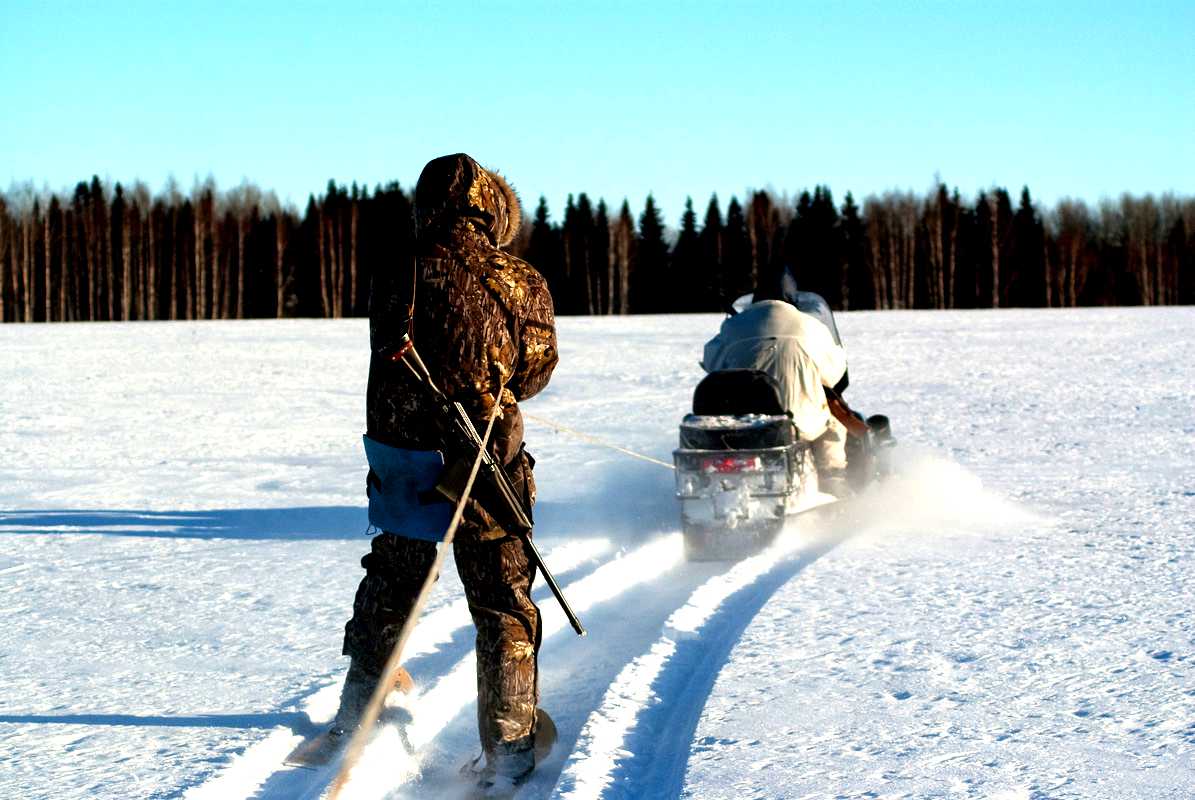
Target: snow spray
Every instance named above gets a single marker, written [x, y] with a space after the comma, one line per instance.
[927, 493]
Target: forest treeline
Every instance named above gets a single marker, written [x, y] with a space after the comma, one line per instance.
[116, 253]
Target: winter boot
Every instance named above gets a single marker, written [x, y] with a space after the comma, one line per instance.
[506, 768]
[512, 763]
[356, 694]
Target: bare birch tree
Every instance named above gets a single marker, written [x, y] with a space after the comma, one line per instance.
[280, 273]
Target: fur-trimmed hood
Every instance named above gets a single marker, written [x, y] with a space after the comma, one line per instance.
[456, 186]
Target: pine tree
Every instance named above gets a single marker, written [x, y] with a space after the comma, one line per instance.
[567, 296]
[688, 290]
[710, 279]
[856, 292]
[738, 272]
[579, 232]
[544, 253]
[798, 245]
[1176, 241]
[813, 248]
[1003, 232]
[599, 260]
[938, 223]
[1184, 237]
[968, 254]
[1027, 278]
[649, 290]
[55, 262]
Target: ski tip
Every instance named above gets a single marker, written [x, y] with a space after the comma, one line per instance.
[403, 682]
[315, 752]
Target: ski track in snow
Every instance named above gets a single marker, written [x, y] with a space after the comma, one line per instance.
[178, 552]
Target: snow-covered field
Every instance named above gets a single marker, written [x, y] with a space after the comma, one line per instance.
[181, 516]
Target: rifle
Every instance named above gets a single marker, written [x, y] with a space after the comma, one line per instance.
[462, 444]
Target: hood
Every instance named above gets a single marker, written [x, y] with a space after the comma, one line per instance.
[455, 187]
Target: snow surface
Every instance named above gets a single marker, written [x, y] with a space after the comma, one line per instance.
[182, 514]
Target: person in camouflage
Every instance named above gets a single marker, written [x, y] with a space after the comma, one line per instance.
[484, 324]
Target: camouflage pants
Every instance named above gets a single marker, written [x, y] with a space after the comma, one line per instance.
[497, 576]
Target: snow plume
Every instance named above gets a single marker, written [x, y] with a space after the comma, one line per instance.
[626, 501]
[928, 492]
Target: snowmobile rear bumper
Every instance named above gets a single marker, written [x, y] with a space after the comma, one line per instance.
[734, 502]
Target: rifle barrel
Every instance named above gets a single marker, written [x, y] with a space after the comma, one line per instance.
[555, 587]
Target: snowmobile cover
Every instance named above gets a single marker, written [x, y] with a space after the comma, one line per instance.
[404, 480]
[798, 350]
[810, 303]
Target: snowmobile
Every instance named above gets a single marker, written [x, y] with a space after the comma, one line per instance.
[742, 469]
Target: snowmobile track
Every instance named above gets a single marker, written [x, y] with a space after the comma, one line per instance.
[637, 743]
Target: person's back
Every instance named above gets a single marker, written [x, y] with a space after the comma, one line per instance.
[794, 348]
[480, 313]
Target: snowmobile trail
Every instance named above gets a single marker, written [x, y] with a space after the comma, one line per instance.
[637, 742]
[575, 672]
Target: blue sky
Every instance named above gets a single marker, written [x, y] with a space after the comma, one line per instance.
[617, 99]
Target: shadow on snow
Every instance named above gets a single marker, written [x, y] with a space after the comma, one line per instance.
[302, 522]
[297, 721]
[629, 507]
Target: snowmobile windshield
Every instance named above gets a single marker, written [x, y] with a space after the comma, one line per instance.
[816, 306]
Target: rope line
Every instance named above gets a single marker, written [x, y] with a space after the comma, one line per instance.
[595, 440]
[374, 709]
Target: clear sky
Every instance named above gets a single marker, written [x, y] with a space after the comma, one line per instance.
[1086, 99]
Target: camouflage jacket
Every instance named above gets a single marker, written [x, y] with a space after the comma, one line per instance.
[483, 318]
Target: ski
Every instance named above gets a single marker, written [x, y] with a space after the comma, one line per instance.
[321, 749]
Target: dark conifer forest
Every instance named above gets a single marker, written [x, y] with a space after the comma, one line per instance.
[121, 253]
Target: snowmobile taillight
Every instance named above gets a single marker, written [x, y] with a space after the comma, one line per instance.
[729, 463]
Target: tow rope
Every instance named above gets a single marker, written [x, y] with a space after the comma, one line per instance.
[595, 440]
